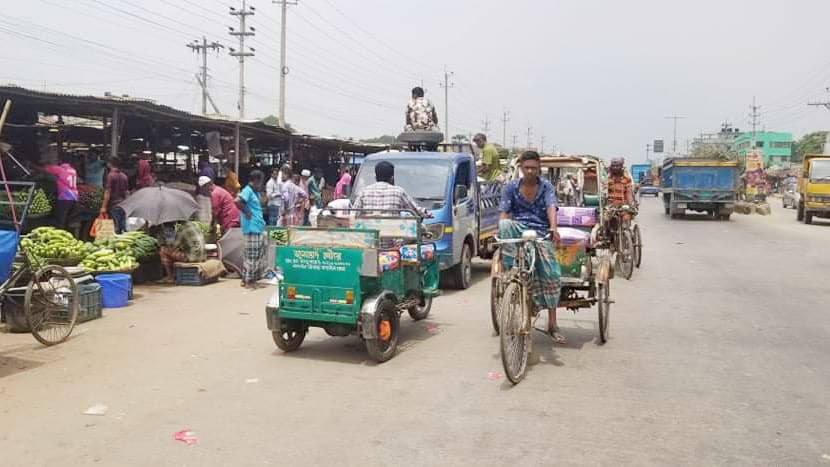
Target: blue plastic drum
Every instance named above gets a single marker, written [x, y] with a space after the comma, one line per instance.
[115, 289]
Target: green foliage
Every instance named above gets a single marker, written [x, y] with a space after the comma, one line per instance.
[811, 143]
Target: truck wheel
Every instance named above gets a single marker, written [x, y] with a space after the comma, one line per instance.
[462, 272]
[808, 218]
[388, 325]
[799, 216]
[289, 339]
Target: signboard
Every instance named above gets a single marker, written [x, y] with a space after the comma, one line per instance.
[754, 161]
[658, 146]
[333, 267]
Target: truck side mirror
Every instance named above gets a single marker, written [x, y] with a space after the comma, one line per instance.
[460, 193]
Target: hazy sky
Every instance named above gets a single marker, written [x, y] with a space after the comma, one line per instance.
[591, 76]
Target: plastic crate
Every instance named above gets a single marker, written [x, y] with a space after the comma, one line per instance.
[89, 298]
[189, 275]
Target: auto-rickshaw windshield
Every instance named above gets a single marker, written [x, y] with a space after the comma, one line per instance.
[424, 180]
[820, 170]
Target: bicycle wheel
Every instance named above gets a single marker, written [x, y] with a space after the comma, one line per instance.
[51, 305]
[625, 254]
[515, 332]
[637, 240]
[603, 309]
[495, 303]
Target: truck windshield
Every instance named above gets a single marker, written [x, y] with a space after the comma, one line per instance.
[820, 170]
[424, 180]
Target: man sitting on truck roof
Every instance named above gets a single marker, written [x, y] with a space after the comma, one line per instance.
[384, 196]
[420, 113]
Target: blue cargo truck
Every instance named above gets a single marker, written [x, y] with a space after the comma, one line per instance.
[701, 185]
[639, 172]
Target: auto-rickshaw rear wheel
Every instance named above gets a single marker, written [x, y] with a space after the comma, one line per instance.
[387, 324]
[290, 337]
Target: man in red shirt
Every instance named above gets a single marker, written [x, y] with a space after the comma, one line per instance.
[116, 189]
[223, 207]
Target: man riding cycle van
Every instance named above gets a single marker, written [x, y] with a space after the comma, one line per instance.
[529, 203]
[620, 186]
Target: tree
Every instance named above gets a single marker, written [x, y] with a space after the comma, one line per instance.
[811, 143]
[460, 139]
[273, 120]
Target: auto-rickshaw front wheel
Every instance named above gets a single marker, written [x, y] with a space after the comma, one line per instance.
[418, 312]
[290, 337]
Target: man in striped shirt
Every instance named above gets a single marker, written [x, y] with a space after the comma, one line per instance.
[384, 196]
[619, 184]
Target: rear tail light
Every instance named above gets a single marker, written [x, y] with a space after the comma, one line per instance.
[349, 297]
[291, 293]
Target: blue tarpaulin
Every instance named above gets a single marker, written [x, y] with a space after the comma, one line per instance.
[8, 250]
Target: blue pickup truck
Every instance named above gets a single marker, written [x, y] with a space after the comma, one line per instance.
[700, 185]
[464, 211]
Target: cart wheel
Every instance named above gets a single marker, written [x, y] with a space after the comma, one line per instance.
[388, 326]
[419, 312]
[496, 292]
[638, 247]
[603, 309]
[51, 305]
[515, 335]
[290, 338]
[625, 257]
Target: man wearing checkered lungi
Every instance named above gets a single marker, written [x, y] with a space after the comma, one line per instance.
[253, 226]
[529, 203]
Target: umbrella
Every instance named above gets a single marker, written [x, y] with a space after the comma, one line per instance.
[158, 204]
[231, 249]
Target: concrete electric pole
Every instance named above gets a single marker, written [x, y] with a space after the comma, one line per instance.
[504, 119]
[648, 151]
[529, 136]
[754, 116]
[674, 139]
[243, 32]
[485, 126]
[202, 48]
[447, 85]
[542, 145]
[283, 67]
[515, 141]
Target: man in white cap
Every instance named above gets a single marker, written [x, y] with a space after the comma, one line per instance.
[305, 175]
[223, 208]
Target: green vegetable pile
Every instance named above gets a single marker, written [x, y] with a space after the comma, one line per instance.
[279, 236]
[52, 243]
[108, 260]
[136, 244]
[40, 203]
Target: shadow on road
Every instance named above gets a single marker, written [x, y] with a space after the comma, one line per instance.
[352, 349]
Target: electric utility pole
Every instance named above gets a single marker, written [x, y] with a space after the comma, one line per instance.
[283, 67]
[529, 136]
[674, 139]
[515, 141]
[202, 48]
[504, 119]
[447, 85]
[243, 32]
[754, 116]
[542, 145]
[485, 125]
[648, 150]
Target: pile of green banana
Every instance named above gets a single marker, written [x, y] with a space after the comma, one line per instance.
[279, 236]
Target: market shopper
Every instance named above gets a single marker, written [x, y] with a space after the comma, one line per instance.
[294, 199]
[253, 226]
[231, 179]
[273, 189]
[94, 169]
[116, 190]
[344, 185]
[223, 208]
[205, 170]
[144, 175]
[305, 178]
[66, 181]
[181, 244]
[315, 189]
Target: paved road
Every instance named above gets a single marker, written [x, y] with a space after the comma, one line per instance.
[718, 357]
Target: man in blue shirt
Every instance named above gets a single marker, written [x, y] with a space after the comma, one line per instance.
[529, 203]
[253, 225]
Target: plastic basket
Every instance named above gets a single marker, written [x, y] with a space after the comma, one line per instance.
[89, 298]
[189, 275]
